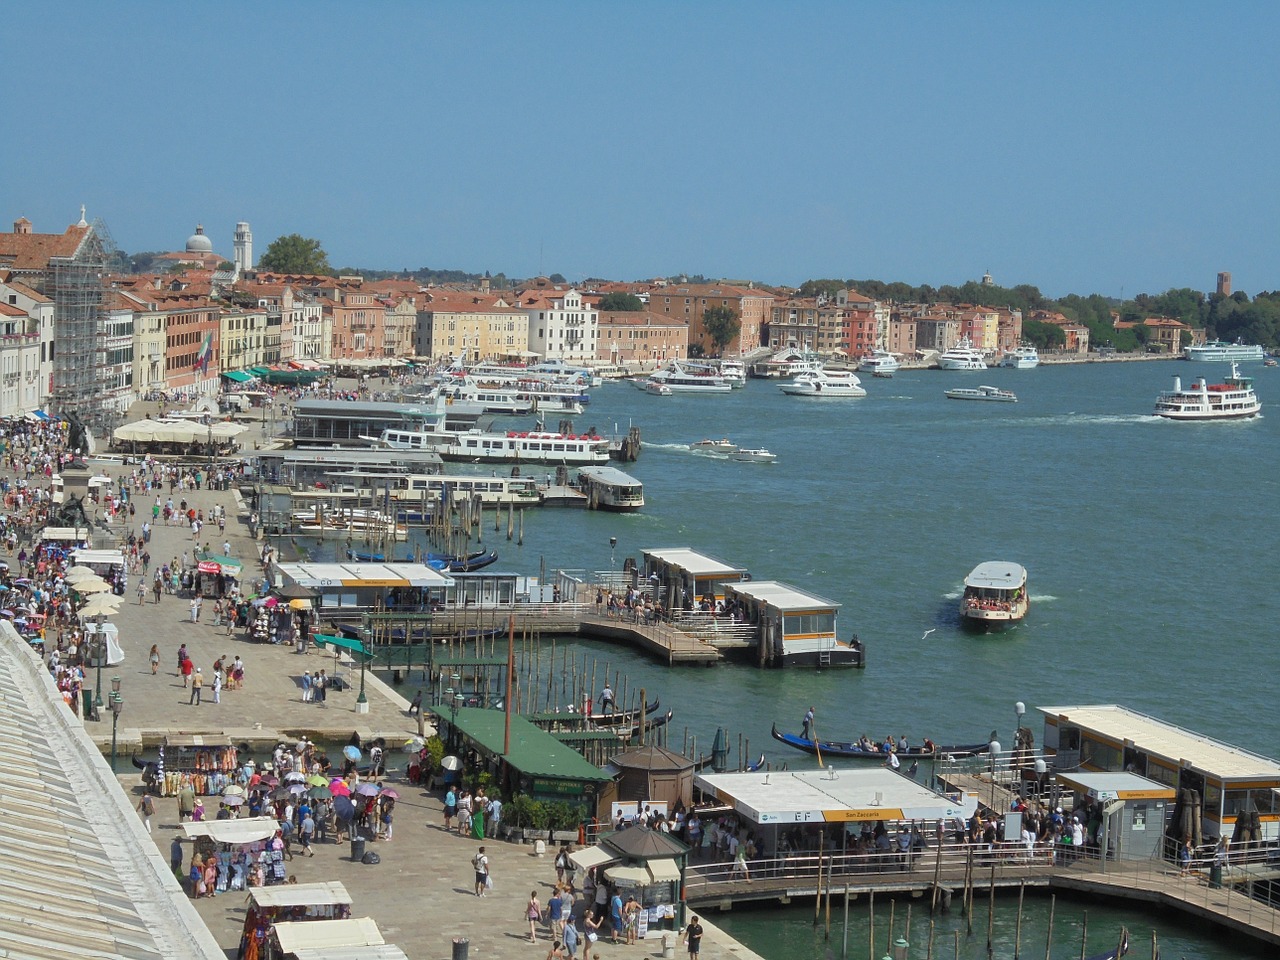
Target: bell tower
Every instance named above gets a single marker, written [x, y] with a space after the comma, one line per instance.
[243, 256]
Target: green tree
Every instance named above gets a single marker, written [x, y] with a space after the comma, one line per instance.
[813, 288]
[621, 303]
[295, 254]
[722, 325]
[1043, 335]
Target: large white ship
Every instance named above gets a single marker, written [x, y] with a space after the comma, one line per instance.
[1219, 351]
[1232, 400]
[962, 357]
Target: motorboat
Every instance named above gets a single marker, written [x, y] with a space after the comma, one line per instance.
[995, 594]
[787, 363]
[824, 383]
[1231, 400]
[962, 356]
[734, 371]
[1220, 351]
[723, 447]
[1024, 357]
[982, 393]
[865, 750]
[756, 455]
[682, 379]
[656, 387]
[879, 361]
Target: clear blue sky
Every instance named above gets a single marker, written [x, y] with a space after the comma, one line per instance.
[1087, 147]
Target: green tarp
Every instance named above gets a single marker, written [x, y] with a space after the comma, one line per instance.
[239, 376]
[534, 752]
[324, 639]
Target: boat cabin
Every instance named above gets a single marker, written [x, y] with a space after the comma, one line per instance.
[793, 627]
[680, 576]
[1232, 784]
[353, 588]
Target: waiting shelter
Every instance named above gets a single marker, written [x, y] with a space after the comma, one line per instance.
[680, 576]
[1133, 810]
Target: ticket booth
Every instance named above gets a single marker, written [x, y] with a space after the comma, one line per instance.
[1132, 807]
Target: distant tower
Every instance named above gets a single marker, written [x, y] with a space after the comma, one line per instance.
[1224, 283]
[987, 281]
[485, 283]
[243, 248]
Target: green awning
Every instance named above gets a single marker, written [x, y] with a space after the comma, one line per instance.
[239, 376]
[534, 752]
[259, 371]
[343, 643]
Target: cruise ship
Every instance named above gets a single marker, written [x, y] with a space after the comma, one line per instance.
[962, 357]
[1219, 351]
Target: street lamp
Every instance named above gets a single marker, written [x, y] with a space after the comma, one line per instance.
[1019, 709]
[613, 545]
[101, 654]
[362, 702]
[117, 706]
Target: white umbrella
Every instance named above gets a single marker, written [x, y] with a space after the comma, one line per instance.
[450, 763]
[233, 790]
[92, 585]
[78, 573]
[100, 604]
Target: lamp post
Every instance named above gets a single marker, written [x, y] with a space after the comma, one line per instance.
[994, 748]
[1019, 710]
[117, 705]
[613, 545]
[362, 702]
[101, 654]
[453, 718]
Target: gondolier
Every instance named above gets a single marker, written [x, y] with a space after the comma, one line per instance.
[806, 728]
[606, 699]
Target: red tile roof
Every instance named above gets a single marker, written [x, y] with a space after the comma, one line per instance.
[31, 251]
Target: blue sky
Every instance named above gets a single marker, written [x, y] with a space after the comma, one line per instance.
[1092, 147]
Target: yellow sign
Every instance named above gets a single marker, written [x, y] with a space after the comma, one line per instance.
[870, 813]
[395, 582]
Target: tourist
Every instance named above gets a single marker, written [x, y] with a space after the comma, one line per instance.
[693, 938]
[306, 687]
[147, 808]
[154, 657]
[305, 832]
[533, 913]
[615, 917]
[631, 921]
[197, 811]
[555, 912]
[481, 864]
[197, 681]
[186, 800]
[570, 937]
[182, 658]
[450, 806]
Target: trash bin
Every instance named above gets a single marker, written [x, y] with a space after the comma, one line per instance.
[460, 947]
[668, 945]
[357, 848]
[1215, 876]
[87, 711]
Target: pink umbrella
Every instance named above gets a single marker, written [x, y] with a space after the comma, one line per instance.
[390, 794]
[271, 601]
[368, 789]
[339, 788]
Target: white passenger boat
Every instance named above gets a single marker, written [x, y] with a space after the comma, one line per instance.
[491, 397]
[348, 522]
[879, 361]
[1220, 352]
[655, 387]
[786, 363]
[734, 371]
[995, 594]
[962, 357]
[1021, 358]
[1232, 400]
[682, 379]
[608, 488]
[824, 383]
[722, 447]
[982, 393]
[477, 446]
[753, 455]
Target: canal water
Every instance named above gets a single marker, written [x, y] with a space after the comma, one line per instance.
[1149, 546]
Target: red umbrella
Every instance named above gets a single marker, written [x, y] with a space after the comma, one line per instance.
[389, 793]
[340, 788]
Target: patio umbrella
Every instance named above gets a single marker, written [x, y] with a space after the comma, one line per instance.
[351, 753]
[450, 763]
[320, 793]
[390, 794]
[295, 776]
[316, 780]
[91, 585]
[100, 604]
[233, 790]
[297, 788]
[367, 789]
[233, 801]
[78, 573]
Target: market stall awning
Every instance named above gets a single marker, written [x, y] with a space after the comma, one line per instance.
[213, 563]
[249, 830]
[300, 894]
[628, 876]
[238, 376]
[316, 934]
[342, 643]
[533, 751]
[663, 871]
[590, 857]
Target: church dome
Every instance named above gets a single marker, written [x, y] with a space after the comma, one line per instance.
[198, 242]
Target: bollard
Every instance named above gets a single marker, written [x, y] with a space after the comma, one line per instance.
[460, 947]
[668, 945]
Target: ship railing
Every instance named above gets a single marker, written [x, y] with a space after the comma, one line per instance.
[707, 626]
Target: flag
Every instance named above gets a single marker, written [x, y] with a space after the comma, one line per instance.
[205, 354]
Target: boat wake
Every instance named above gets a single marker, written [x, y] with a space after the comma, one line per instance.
[1128, 419]
[673, 447]
[1042, 598]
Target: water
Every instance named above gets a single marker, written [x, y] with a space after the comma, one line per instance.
[1148, 544]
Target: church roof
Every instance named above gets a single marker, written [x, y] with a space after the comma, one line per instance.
[32, 251]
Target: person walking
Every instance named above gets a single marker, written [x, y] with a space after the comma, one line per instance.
[182, 657]
[154, 657]
[533, 913]
[147, 808]
[306, 687]
[217, 686]
[142, 591]
[197, 681]
[186, 671]
[305, 832]
[693, 938]
[481, 864]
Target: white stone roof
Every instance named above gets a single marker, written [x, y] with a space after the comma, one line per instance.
[81, 876]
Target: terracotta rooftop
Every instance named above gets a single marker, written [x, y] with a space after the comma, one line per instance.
[32, 251]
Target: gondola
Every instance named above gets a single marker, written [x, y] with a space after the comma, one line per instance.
[472, 561]
[600, 721]
[149, 770]
[850, 749]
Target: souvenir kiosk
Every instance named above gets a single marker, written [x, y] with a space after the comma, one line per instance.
[209, 762]
[291, 940]
[289, 903]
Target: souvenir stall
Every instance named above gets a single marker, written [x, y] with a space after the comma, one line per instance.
[209, 763]
[217, 576]
[291, 940]
[243, 849]
[115, 654]
[291, 903]
[272, 621]
[105, 563]
[646, 864]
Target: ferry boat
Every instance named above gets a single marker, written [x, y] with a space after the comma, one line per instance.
[1220, 351]
[490, 491]
[491, 397]
[879, 361]
[995, 594]
[681, 379]
[608, 488]
[982, 393]
[734, 371]
[477, 446]
[824, 383]
[722, 447]
[786, 363]
[753, 455]
[1021, 358]
[557, 367]
[1232, 400]
[962, 357]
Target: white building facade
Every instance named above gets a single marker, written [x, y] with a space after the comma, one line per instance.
[561, 326]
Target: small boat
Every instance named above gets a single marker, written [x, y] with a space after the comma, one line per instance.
[879, 362]
[982, 393]
[855, 750]
[1232, 400]
[656, 388]
[962, 356]
[995, 594]
[753, 767]
[824, 383]
[757, 455]
[1271, 362]
[1024, 357]
[882, 374]
[723, 447]
[453, 564]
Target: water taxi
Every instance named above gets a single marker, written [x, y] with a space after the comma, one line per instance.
[1231, 400]
[680, 378]
[786, 363]
[753, 455]
[1025, 357]
[1219, 351]
[734, 371]
[982, 393]
[655, 387]
[722, 447]
[962, 356]
[824, 383]
[995, 594]
[879, 361]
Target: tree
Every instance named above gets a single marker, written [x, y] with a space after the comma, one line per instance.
[295, 254]
[829, 288]
[721, 324]
[1043, 335]
[621, 303]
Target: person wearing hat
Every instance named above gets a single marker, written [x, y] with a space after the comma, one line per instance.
[197, 681]
[197, 812]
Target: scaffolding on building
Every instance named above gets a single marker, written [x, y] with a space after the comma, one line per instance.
[78, 286]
